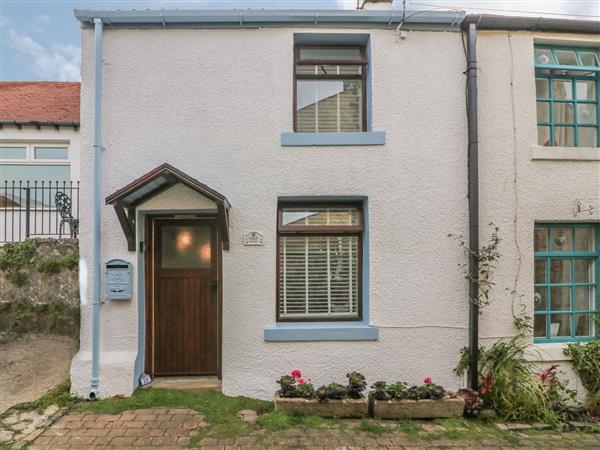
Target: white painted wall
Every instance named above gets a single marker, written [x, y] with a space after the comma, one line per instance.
[543, 191]
[214, 102]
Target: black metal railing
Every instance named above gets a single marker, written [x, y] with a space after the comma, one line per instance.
[30, 209]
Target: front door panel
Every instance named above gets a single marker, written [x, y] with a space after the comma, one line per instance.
[185, 306]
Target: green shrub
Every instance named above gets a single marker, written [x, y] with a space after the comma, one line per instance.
[17, 278]
[49, 265]
[13, 256]
[586, 362]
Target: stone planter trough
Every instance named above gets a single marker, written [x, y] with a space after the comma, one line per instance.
[418, 409]
[332, 408]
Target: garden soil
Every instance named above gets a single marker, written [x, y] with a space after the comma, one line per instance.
[33, 364]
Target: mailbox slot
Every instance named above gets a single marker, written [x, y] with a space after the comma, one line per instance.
[118, 280]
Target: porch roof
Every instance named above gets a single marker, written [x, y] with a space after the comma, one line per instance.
[163, 177]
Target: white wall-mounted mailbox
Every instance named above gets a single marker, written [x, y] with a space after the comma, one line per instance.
[118, 280]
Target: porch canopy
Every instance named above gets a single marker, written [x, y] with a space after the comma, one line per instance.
[165, 176]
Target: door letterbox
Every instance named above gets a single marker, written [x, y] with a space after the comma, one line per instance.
[118, 280]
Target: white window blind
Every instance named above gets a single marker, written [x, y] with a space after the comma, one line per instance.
[318, 276]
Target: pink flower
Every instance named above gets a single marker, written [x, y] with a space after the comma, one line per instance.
[296, 374]
[427, 380]
[300, 380]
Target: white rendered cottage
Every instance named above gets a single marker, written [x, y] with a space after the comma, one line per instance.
[283, 184]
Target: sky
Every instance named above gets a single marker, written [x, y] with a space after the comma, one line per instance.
[40, 38]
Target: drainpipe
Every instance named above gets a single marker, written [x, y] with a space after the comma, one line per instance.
[473, 182]
[97, 209]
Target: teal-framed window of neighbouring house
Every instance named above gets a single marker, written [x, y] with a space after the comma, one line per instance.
[567, 92]
[566, 274]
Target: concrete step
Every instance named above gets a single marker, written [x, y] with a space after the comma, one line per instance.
[189, 384]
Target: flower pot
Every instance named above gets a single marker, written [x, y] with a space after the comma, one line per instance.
[418, 409]
[332, 408]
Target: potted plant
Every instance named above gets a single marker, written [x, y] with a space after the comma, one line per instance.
[332, 400]
[427, 401]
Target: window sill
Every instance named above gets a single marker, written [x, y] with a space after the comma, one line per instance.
[551, 351]
[320, 331]
[291, 139]
[565, 153]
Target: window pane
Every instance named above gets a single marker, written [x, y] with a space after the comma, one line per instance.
[563, 113]
[560, 298]
[185, 247]
[540, 298]
[562, 89]
[584, 271]
[561, 239]
[584, 298]
[560, 325]
[51, 153]
[584, 239]
[544, 56]
[329, 105]
[543, 112]
[544, 136]
[583, 325]
[586, 113]
[331, 54]
[566, 57]
[539, 325]
[542, 88]
[540, 271]
[587, 137]
[564, 136]
[560, 271]
[586, 89]
[303, 69]
[588, 59]
[318, 276]
[540, 239]
[13, 153]
[35, 172]
[320, 216]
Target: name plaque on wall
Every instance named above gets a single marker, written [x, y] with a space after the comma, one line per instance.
[254, 238]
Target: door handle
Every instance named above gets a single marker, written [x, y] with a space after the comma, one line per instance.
[213, 286]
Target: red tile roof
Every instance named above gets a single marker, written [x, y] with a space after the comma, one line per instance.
[43, 101]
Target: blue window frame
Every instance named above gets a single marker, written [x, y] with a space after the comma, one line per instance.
[566, 274]
[568, 92]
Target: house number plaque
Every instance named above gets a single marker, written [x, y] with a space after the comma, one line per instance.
[254, 238]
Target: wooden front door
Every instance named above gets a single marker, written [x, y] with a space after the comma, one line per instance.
[185, 308]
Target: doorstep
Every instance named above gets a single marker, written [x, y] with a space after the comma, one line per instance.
[190, 384]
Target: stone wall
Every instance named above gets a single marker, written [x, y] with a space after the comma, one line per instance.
[39, 287]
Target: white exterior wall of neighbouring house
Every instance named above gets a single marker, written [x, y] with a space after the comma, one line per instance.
[545, 190]
[214, 102]
[30, 137]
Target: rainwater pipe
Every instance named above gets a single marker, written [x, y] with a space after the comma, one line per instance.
[97, 148]
[473, 184]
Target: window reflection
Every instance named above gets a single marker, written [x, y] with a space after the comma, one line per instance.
[185, 247]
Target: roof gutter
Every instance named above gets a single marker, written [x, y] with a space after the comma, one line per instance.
[432, 20]
[473, 189]
[519, 23]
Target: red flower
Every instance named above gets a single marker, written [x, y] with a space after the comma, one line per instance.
[300, 380]
[296, 374]
[427, 380]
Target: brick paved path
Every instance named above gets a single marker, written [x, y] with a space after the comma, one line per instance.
[166, 428]
[155, 427]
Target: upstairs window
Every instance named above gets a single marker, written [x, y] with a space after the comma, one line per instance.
[567, 90]
[319, 259]
[329, 89]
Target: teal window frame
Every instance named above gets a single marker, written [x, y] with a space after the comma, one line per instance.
[572, 255]
[593, 74]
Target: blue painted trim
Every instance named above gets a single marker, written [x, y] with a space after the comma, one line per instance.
[389, 19]
[320, 332]
[291, 139]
